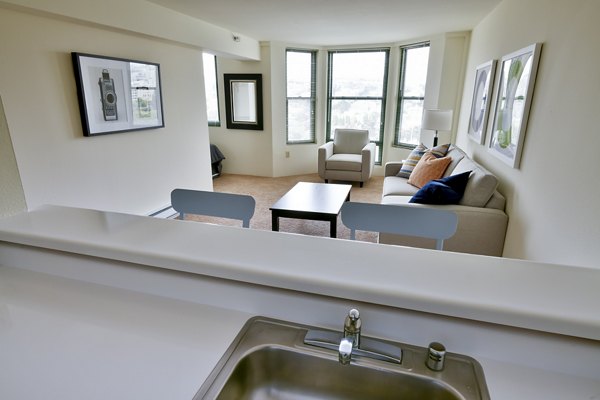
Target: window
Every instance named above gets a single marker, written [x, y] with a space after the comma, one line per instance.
[301, 75]
[210, 85]
[411, 94]
[357, 85]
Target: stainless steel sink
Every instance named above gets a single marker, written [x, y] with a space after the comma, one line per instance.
[269, 360]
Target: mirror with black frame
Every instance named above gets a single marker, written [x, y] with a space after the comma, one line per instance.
[243, 101]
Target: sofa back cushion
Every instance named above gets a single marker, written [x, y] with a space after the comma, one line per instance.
[456, 155]
[350, 141]
[481, 185]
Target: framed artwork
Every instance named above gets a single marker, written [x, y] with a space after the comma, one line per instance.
[117, 95]
[243, 101]
[480, 104]
[513, 101]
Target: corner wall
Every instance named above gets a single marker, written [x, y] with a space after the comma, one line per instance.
[131, 172]
[247, 152]
[552, 199]
[11, 188]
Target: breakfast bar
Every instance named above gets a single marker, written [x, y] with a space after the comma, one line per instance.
[98, 304]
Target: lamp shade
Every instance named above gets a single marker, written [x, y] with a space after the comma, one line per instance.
[437, 120]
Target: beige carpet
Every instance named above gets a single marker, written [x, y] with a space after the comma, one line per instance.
[266, 191]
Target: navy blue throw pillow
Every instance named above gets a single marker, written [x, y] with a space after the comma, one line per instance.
[447, 190]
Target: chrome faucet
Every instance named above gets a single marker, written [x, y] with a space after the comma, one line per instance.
[349, 342]
[352, 326]
[345, 351]
[351, 338]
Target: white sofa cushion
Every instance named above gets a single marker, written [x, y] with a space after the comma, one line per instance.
[394, 186]
[456, 155]
[345, 162]
[351, 141]
[481, 185]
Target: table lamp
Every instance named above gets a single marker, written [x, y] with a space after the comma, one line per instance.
[437, 120]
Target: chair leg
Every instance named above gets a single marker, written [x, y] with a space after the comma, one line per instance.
[326, 180]
[361, 184]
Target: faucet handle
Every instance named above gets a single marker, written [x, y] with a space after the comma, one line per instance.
[353, 314]
[352, 325]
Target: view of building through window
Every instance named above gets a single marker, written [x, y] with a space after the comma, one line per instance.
[301, 96]
[210, 85]
[357, 90]
[411, 94]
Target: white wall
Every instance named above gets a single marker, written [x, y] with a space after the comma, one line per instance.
[247, 152]
[128, 172]
[11, 188]
[146, 18]
[552, 199]
[445, 75]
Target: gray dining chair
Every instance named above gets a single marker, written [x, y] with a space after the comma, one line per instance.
[214, 204]
[407, 220]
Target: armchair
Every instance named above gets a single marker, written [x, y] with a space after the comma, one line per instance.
[349, 157]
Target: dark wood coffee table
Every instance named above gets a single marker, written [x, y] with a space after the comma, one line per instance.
[316, 201]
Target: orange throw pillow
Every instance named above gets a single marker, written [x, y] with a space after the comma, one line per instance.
[428, 168]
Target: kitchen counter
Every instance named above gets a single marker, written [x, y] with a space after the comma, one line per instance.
[546, 297]
[106, 305]
[66, 339]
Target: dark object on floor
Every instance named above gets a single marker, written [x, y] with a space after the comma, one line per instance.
[215, 158]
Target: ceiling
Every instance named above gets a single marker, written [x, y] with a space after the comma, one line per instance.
[336, 22]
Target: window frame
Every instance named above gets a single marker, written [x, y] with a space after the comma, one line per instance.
[400, 100]
[218, 122]
[330, 53]
[312, 98]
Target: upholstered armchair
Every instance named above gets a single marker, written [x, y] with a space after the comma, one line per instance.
[349, 157]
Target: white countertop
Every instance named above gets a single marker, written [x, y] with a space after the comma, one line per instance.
[72, 339]
[66, 339]
[545, 297]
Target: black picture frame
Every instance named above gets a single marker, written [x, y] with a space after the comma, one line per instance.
[117, 95]
[244, 101]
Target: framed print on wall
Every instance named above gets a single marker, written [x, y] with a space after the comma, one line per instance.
[117, 95]
[480, 104]
[513, 101]
[243, 101]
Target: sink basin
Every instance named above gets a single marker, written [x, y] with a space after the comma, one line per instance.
[269, 360]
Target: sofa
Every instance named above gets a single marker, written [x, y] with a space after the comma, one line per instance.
[482, 221]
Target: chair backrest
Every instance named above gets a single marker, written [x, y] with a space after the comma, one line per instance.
[349, 141]
[214, 204]
[400, 219]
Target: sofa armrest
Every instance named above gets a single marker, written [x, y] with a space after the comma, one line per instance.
[392, 168]
[368, 157]
[324, 152]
